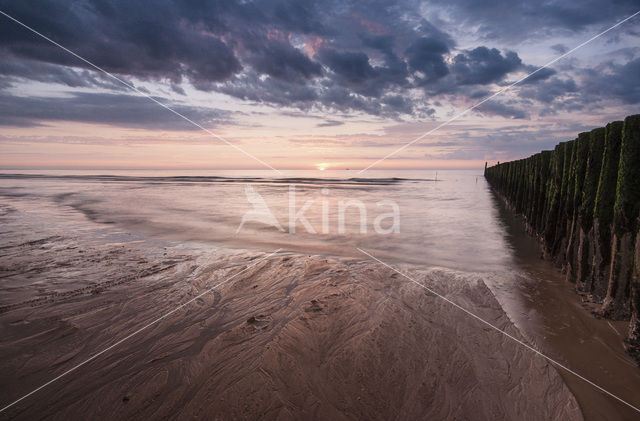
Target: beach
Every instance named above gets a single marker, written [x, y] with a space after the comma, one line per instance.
[285, 210]
[292, 337]
[141, 324]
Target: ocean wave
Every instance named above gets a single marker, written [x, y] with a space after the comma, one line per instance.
[219, 179]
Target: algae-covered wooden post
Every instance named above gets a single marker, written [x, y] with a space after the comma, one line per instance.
[633, 337]
[526, 198]
[543, 182]
[582, 200]
[585, 245]
[549, 192]
[553, 191]
[535, 179]
[520, 195]
[579, 170]
[567, 211]
[603, 209]
[560, 225]
[625, 217]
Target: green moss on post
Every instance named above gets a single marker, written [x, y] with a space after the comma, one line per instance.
[553, 189]
[579, 170]
[583, 200]
[559, 230]
[543, 182]
[582, 154]
[627, 205]
[567, 210]
[625, 221]
[585, 237]
[533, 201]
[520, 186]
[528, 199]
[592, 177]
[633, 338]
[603, 209]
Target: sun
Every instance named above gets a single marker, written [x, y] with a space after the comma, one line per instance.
[322, 166]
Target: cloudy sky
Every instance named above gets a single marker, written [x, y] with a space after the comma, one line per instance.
[307, 84]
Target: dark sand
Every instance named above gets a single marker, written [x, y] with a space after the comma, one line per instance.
[551, 315]
[294, 337]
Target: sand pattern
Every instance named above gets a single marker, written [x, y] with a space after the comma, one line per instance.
[293, 337]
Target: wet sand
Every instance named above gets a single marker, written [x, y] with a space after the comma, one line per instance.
[293, 337]
[551, 315]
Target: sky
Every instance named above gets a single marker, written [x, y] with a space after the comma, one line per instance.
[303, 84]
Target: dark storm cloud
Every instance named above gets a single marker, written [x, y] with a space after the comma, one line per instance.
[112, 109]
[142, 39]
[559, 48]
[352, 67]
[282, 61]
[615, 81]
[251, 87]
[483, 65]
[324, 55]
[607, 83]
[516, 21]
[364, 57]
[426, 56]
[537, 75]
[13, 69]
[388, 105]
[501, 109]
[549, 90]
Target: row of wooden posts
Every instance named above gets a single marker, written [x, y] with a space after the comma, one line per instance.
[582, 200]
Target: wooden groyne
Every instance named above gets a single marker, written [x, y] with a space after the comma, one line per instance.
[582, 201]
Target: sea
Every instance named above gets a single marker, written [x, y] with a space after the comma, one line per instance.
[448, 221]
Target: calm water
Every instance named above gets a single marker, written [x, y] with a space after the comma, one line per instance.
[453, 223]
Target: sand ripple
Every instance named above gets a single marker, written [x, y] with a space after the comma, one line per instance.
[294, 337]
